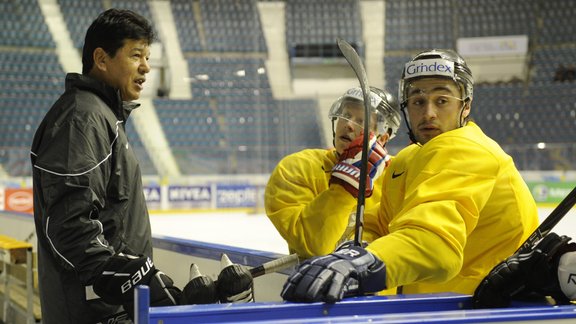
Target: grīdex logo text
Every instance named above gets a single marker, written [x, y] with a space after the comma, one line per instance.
[357, 94]
[430, 67]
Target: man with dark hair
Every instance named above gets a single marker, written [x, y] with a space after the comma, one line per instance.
[90, 213]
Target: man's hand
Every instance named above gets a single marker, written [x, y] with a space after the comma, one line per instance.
[122, 273]
[530, 273]
[235, 283]
[350, 271]
[347, 171]
[200, 289]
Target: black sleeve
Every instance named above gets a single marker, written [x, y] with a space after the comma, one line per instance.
[74, 168]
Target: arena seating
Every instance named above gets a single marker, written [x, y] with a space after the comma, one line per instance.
[313, 26]
[22, 24]
[497, 18]
[30, 81]
[186, 25]
[557, 22]
[224, 45]
[232, 26]
[192, 131]
[78, 16]
[414, 25]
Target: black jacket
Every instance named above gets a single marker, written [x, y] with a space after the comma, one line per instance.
[88, 198]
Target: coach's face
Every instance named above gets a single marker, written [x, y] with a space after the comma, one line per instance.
[125, 70]
[434, 107]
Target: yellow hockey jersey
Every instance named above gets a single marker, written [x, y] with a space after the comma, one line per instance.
[312, 216]
[452, 209]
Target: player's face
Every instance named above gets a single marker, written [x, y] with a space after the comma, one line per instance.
[434, 106]
[350, 124]
[127, 70]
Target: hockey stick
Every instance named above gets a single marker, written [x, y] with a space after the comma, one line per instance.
[548, 224]
[354, 60]
[203, 290]
[274, 265]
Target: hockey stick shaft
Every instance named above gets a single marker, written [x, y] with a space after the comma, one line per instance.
[548, 224]
[274, 265]
[354, 61]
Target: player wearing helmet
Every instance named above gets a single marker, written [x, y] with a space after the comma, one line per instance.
[311, 195]
[454, 204]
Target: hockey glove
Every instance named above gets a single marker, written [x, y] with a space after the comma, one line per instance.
[525, 275]
[235, 283]
[122, 273]
[347, 171]
[349, 244]
[200, 289]
[351, 271]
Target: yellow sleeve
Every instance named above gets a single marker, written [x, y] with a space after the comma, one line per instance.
[432, 208]
[309, 214]
[374, 225]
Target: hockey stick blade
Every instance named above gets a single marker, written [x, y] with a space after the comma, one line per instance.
[548, 224]
[354, 61]
[274, 265]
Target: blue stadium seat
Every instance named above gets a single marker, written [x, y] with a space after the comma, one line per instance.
[321, 22]
[78, 15]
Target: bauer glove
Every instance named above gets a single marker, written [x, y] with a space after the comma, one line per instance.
[123, 272]
[347, 171]
[527, 275]
[350, 271]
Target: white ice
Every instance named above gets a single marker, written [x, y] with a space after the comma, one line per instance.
[255, 231]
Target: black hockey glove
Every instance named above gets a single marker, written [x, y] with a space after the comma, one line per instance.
[348, 244]
[122, 273]
[235, 283]
[200, 289]
[350, 271]
[525, 276]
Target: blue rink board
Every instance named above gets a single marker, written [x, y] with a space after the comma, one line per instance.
[429, 308]
[214, 251]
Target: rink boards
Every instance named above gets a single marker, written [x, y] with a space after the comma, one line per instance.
[174, 255]
[432, 308]
[429, 308]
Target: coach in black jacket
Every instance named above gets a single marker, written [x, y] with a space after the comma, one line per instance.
[89, 208]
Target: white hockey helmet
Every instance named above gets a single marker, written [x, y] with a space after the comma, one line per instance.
[383, 104]
[443, 63]
[436, 63]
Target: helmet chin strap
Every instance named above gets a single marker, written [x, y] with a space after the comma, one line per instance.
[410, 132]
[334, 136]
[462, 121]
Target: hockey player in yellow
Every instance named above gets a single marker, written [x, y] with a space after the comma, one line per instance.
[453, 204]
[311, 195]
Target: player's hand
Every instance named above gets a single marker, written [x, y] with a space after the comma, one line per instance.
[347, 171]
[235, 283]
[200, 289]
[348, 244]
[351, 271]
[524, 275]
[122, 273]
